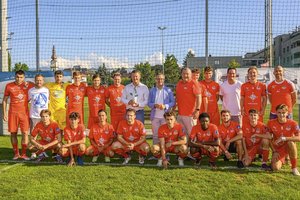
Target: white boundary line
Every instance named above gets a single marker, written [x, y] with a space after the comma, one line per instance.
[11, 166]
[233, 168]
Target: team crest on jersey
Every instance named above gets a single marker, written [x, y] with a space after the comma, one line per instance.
[82, 89]
[136, 129]
[185, 87]
[175, 132]
[51, 130]
[283, 87]
[288, 128]
[20, 96]
[97, 99]
[231, 131]
[102, 91]
[274, 128]
[213, 87]
[106, 132]
[48, 139]
[208, 133]
[258, 88]
[257, 130]
[208, 94]
[216, 132]
[77, 97]
[252, 97]
[131, 138]
[101, 140]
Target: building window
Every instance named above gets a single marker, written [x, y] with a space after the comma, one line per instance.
[283, 50]
[287, 49]
[217, 62]
[297, 55]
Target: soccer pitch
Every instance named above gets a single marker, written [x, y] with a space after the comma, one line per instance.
[48, 180]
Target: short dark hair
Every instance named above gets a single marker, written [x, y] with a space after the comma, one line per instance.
[225, 111]
[253, 111]
[204, 115]
[130, 110]
[196, 70]
[230, 68]
[96, 76]
[74, 115]
[283, 107]
[20, 72]
[76, 73]
[136, 71]
[45, 111]
[117, 74]
[208, 69]
[102, 111]
[58, 72]
[38, 75]
[169, 114]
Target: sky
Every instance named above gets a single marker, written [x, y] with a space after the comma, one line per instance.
[123, 33]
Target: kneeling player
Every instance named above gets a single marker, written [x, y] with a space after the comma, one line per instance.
[75, 138]
[285, 132]
[231, 138]
[204, 140]
[255, 140]
[131, 137]
[171, 139]
[101, 137]
[49, 134]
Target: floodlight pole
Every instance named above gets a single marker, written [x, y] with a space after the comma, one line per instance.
[162, 28]
[37, 35]
[206, 32]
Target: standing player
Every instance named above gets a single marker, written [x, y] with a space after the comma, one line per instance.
[204, 140]
[188, 99]
[96, 97]
[231, 138]
[172, 139]
[75, 140]
[57, 105]
[101, 137]
[38, 97]
[285, 133]
[131, 137]
[212, 93]
[255, 140]
[18, 114]
[230, 94]
[113, 99]
[202, 88]
[253, 96]
[75, 96]
[281, 91]
[49, 134]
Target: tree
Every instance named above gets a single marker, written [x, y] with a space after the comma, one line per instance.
[147, 74]
[104, 73]
[190, 54]
[9, 62]
[172, 70]
[21, 66]
[234, 64]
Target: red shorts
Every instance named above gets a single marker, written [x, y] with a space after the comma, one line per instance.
[96, 152]
[137, 149]
[92, 120]
[16, 119]
[76, 152]
[283, 152]
[253, 150]
[215, 118]
[115, 119]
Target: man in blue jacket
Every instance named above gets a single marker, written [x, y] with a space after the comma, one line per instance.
[161, 99]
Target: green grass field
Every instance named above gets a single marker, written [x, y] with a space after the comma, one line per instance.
[48, 180]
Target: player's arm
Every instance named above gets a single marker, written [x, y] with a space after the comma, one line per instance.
[263, 105]
[163, 152]
[263, 136]
[33, 141]
[245, 148]
[224, 149]
[242, 105]
[107, 102]
[215, 142]
[198, 105]
[70, 144]
[194, 143]
[294, 97]
[4, 107]
[72, 161]
[294, 138]
[140, 141]
[122, 140]
[51, 144]
[181, 141]
[238, 136]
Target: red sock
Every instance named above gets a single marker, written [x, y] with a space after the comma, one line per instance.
[15, 149]
[293, 162]
[265, 155]
[24, 148]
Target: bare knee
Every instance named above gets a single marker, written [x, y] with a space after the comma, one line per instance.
[155, 149]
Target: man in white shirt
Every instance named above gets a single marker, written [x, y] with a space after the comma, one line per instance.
[135, 95]
[38, 97]
[230, 94]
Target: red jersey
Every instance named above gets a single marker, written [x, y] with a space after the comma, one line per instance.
[171, 135]
[75, 97]
[131, 133]
[227, 133]
[186, 97]
[210, 134]
[280, 93]
[46, 133]
[249, 130]
[212, 90]
[288, 129]
[74, 134]
[96, 98]
[253, 93]
[101, 134]
[18, 95]
[114, 95]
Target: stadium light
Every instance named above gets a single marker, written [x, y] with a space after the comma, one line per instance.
[162, 28]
